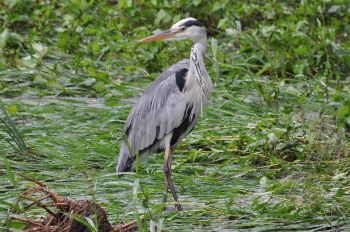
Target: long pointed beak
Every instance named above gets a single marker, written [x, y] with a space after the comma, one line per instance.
[160, 36]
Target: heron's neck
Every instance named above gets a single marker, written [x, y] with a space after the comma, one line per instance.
[197, 66]
[201, 45]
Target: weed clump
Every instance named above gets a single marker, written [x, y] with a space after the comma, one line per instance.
[63, 214]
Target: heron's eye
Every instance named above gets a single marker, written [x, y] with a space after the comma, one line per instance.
[183, 28]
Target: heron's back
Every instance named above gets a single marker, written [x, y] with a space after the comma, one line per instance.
[163, 109]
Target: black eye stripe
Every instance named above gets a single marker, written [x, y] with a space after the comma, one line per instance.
[190, 23]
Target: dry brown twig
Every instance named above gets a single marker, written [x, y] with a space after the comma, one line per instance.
[60, 211]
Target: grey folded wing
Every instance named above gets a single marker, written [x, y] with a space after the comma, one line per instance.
[161, 109]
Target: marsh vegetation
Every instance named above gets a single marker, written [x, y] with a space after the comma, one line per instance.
[270, 153]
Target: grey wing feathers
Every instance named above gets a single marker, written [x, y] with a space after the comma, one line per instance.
[159, 110]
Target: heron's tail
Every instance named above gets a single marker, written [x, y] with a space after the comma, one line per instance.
[125, 160]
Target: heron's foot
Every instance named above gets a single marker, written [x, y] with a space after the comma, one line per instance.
[176, 199]
[178, 206]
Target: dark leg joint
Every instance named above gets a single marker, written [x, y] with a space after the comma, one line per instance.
[168, 185]
[166, 170]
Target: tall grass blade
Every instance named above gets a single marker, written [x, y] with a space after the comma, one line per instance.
[9, 127]
[9, 173]
[135, 198]
[214, 47]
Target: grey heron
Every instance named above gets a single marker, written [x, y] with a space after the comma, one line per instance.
[168, 110]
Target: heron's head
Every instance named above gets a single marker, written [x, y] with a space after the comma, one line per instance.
[188, 28]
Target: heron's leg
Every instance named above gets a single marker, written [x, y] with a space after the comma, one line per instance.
[166, 186]
[167, 173]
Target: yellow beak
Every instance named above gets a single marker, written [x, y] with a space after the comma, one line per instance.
[158, 37]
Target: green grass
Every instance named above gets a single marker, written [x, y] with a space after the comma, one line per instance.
[270, 153]
[11, 135]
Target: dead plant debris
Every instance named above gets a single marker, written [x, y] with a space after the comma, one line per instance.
[63, 215]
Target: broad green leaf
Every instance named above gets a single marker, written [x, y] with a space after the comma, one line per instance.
[99, 86]
[221, 23]
[40, 50]
[12, 109]
[160, 16]
[343, 111]
[3, 39]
